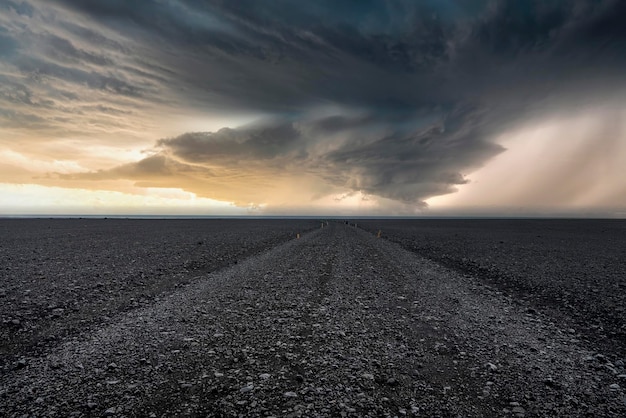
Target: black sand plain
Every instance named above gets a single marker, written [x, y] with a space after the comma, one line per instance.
[573, 269]
[117, 317]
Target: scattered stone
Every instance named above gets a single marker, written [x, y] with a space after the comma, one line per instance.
[249, 387]
[392, 381]
[290, 395]
[264, 376]
[491, 367]
[614, 387]
[552, 383]
[368, 376]
[57, 312]
[110, 412]
[518, 411]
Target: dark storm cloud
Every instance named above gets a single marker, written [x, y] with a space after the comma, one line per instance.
[20, 7]
[411, 93]
[404, 163]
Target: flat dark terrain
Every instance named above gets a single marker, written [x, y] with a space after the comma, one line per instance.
[575, 269]
[59, 276]
[241, 318]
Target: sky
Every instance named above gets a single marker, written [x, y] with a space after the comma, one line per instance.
[328, 107]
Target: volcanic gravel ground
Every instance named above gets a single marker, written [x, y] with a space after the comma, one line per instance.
[573, 270]
[58, 277]
[336, 323]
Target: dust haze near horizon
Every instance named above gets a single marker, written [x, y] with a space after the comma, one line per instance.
[390, 107]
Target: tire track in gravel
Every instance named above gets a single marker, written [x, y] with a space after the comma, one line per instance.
[337, 323]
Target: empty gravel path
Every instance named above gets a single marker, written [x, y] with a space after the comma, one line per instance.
[336, 323]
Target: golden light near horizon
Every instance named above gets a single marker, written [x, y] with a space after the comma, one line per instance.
[32, 199]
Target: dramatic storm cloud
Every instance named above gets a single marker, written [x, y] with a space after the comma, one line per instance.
[304, 107]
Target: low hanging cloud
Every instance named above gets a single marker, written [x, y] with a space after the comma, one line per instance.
[377, 159]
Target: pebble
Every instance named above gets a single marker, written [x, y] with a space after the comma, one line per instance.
[492, 367]
[368, 376]
[110, 412]
[614, 386]
[392, 381]
[518, 410]
[264, 376]
[246, 388]
[290, 395]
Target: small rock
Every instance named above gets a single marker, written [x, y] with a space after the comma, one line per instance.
[614, 387]
[264, 376]
[39, 400]
[246, 388]
[218, 335]
[368, 376]
[552, 383]
[492, 367]
[16, 322]
[290, 395]
[392, 381]
[110, 412]
[218, 374]
[518, 411]
[21, 363]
